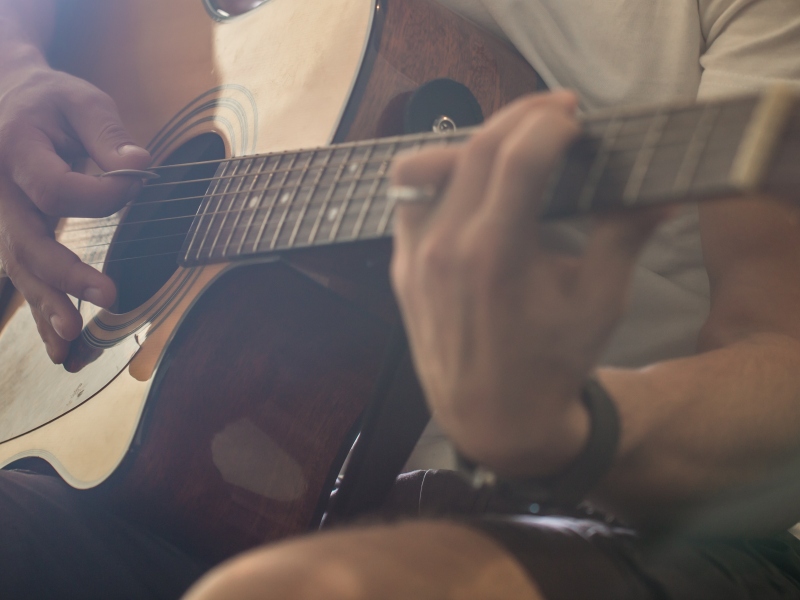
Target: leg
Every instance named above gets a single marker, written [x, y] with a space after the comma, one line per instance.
[57, 542]
[501, 558]
[423, 560]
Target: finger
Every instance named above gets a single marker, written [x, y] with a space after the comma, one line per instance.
[473, 173]
[57, 319]
[466, 190]
[428, 168]
[431, 166]
[62, 269]
[99, 129]
[26, 247]
[49, 182]
[522, 172]
[57, 347]
[614, 245]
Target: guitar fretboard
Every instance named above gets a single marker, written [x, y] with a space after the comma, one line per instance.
[275, 202]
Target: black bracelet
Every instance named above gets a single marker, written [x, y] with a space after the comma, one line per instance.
[572, 485]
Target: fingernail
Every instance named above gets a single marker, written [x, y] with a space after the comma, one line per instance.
[130, 149]
[93, 295]
[58, 325]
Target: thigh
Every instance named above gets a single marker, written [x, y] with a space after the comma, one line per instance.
[423, 560]
[56, 542]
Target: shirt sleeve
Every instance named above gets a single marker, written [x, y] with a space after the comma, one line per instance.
[749, 44]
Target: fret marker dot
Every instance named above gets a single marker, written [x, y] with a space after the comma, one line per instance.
[332, 213]
[352, 168]
[285, 198]
[253, 202]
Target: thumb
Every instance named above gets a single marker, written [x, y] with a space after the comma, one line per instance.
[99, 128]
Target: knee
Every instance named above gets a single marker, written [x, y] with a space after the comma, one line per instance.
[411, 560]
[294, 570]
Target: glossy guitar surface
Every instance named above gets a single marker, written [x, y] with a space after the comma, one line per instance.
[216, 402]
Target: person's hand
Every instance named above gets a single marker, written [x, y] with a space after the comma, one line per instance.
[503, 332]
[49, 122]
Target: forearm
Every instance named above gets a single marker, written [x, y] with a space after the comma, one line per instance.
[26, 29]
[697, 427]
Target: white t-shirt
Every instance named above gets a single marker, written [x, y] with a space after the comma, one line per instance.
[618, 52]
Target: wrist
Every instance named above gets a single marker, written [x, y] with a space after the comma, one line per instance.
[573, 482]
[542, 443]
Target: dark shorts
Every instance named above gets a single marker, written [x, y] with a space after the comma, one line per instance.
[56, 542]
[571, 557]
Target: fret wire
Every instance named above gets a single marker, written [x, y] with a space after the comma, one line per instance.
[460, 135]
[349, 195]
[205, 215]
[356, 198]
[202, 218]
[215, 212]
[270, 210]
[69, 231]
[233, 203]
[240, 211]
[376, 184]
[257, 207]
[697, 146]
[288, 198]
[598, 168]
[331, 192]
[389, 208]
[642, 164]
[227, 211]
[254, 157]
[619, 149]
[313, 189]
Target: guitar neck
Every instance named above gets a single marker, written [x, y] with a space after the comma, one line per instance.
[623, 160]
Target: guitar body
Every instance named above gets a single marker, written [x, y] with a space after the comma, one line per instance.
[218, 402]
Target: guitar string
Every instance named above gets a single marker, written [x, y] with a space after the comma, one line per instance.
[226, 230]
[232, 195]
[462, 133]
[592, 121]
[284, 187]
[369, 147]
[356, 163]
[356, 235]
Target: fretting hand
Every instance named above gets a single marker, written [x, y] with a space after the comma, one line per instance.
[503, 332]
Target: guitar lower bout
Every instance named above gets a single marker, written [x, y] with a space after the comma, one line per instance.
[86, 412]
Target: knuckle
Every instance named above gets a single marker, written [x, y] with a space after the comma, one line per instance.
[36, 300]
[436, 256]
[481, 147]
[84, 95]
[43, 193]
[10, 266]
[13, 255]
[69, 274]
[513, 157]
[477, 261]
[113, 132]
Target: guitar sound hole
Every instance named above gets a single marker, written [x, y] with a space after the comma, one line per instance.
[146, 246]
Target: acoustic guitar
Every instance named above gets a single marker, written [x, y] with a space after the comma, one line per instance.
[218, 399]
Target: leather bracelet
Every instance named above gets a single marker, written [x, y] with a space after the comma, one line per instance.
[570, 486]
